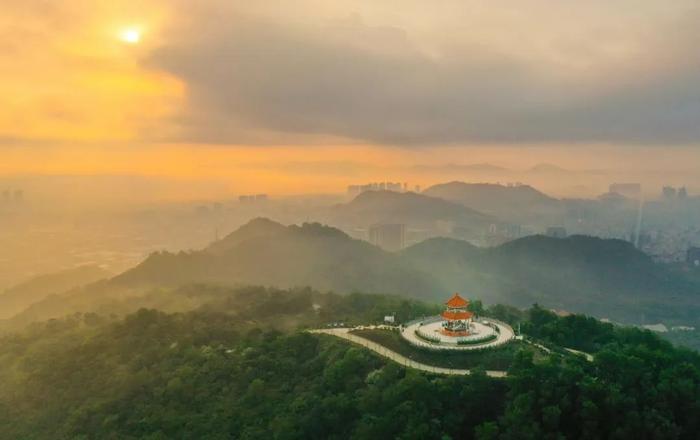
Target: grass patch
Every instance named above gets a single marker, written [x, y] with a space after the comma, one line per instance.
[498, 358]
[488, 338]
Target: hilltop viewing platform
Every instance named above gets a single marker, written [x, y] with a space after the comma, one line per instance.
[457, 328]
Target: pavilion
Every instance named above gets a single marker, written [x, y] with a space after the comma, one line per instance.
[457, 328]
[456, 318]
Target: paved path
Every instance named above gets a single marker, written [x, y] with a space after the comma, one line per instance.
[588, 356]
[534, 344]
[396, 357]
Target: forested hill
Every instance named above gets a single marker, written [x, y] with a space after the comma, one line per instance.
[604, 278]
[229, 370]
[307, 255]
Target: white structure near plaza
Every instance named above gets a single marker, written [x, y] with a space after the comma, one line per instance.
[457, 328]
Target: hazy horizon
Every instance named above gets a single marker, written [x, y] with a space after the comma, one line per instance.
[223, 174]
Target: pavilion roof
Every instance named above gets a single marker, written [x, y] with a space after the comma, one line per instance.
[457, 302]
[456, 315]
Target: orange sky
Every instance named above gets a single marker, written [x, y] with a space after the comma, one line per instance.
[79, 100]
[68, 77]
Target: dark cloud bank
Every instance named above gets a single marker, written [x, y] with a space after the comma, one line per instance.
[252, 79]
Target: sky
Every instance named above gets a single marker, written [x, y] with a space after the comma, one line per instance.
[312, 95]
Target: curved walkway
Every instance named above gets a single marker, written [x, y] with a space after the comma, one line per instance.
[588, 356]
[396, 357]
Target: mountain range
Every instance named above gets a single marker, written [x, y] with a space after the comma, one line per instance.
[605, 278]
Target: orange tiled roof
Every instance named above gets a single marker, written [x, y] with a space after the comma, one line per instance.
[457, 302]
[450, 315]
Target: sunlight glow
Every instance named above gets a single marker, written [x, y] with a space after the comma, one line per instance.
[130, 35]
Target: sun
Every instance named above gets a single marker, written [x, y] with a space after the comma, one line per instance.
[130, 35]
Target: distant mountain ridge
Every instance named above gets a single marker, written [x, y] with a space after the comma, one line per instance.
[487, 193]
[547, 168]
[422, 215]
[516, 203]
[17, 298]
[460, 168]
[407, 208]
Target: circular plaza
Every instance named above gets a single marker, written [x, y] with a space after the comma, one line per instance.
[457, 329]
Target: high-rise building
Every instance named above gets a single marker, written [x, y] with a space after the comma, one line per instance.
[693, 256]
[253, 198]
[668, 192]
[354, 190]
[390, 237]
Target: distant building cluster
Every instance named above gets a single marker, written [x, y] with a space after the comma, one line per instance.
[693, 256]
[253, 198]
[621, 191]
[670, 245]
[671, 193]
[215, 207]
[354, 190]
[12, 196]
[497, 234]
[390, 237]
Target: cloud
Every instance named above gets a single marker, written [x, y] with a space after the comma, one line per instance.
[504, 75]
